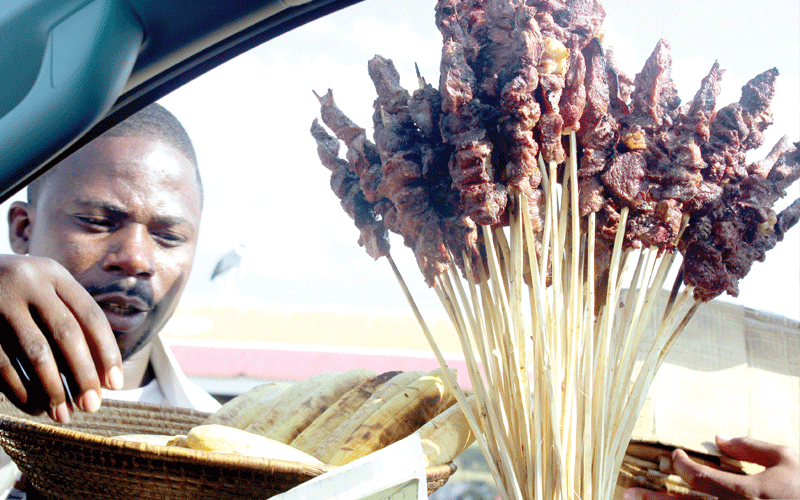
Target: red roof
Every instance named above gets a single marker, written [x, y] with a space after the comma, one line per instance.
[289, 364]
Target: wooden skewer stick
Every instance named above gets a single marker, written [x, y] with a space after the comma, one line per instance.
[460, 396]
[493, 423]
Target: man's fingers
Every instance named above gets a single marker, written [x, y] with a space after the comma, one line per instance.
[59, 346]
[12, 385]
[75, 362]
[97, 333]
[748, 449]
[37, 366]
[710, 480]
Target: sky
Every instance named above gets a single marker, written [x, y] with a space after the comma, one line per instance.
[266, 189]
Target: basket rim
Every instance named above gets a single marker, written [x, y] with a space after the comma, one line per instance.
[174, 454]
[149, 451]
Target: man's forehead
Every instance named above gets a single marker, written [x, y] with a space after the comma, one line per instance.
[107, 155]
[117, 162]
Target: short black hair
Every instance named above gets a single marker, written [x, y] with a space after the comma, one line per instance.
[152, 122]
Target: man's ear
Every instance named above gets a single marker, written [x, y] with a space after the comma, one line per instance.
[20, 224]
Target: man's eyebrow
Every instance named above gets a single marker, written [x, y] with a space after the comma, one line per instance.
[113, 208]
[102, 204]
[171, 220]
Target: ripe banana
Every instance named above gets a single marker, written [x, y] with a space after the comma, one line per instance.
[447, 434]
[157, 439]
[406, 412]
[220, 438]
[337, 413]
[305, 409]
[330, 445]
[335, 418]
[272, 408]
[244, 408]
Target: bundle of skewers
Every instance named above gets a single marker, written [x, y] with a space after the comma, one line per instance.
[546, 197]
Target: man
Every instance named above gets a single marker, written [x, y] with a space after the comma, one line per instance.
[106, 242]
[105, 245]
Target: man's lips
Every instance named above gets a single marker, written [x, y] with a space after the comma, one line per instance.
[123, 312]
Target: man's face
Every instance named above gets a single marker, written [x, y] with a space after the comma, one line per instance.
[122, 215]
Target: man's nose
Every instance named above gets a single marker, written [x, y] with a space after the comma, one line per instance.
[131, 252]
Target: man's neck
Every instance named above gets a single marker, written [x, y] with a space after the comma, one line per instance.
[135, 370]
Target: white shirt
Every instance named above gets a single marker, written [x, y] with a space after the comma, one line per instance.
[170, 386]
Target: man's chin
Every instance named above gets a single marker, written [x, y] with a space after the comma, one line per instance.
[131, 342]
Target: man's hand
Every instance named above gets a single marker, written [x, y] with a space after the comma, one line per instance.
[780, 479]
[50, 325]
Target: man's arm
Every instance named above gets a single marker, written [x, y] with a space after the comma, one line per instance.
[46, 317]
[780, 479]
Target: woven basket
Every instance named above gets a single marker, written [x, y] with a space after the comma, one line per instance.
[79, 460]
